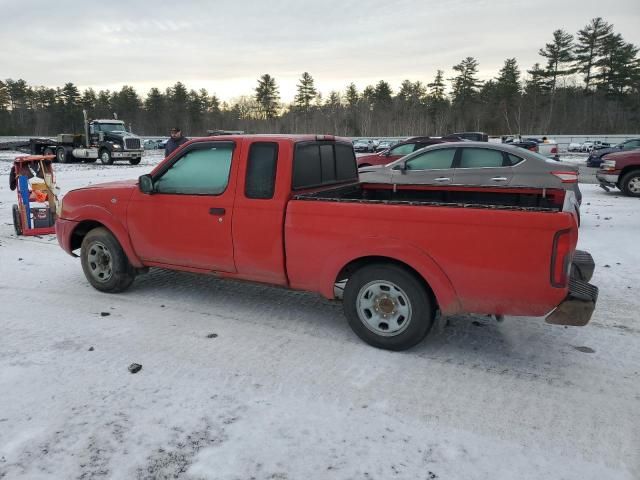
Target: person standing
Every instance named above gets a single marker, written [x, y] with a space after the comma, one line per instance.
[175, 141]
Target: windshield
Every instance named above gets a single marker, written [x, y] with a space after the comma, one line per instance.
[110, 127]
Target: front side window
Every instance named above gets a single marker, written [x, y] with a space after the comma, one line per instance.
[433, 160]
[203, 171]
[633, 144]
[403, 149]
[481, 158]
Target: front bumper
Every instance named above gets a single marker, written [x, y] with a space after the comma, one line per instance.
[126, 154]
[610, 180]
[578, 306]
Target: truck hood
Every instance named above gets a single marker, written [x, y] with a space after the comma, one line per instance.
[116, 185]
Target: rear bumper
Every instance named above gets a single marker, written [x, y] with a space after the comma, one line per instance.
[610, 180]
[578, 306]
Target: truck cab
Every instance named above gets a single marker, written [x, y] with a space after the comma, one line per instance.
[113, 141]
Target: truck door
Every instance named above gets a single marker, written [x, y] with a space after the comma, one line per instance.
[433, 167]
[259, 212]
[187, 219]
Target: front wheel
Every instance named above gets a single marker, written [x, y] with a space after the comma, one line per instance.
[388, 307]
[105, 157]
[630, 184]
[104, 263]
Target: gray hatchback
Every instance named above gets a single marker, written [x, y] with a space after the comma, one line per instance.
[476, 163]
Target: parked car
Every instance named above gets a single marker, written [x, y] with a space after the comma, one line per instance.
[476, 163]
[621, 170]
[586, 146]
[574, 147]
[395, 257]
[154, 144]
[597, 145]
[386, 144]
[472, 136]
[360, 146]
[595, 157]
[398, 151]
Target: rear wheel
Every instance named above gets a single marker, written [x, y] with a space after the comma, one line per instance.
[61, 155]
[48, 151]
[104, 263]
[17, 222]
[388, 307]
[630, 184]
[105, 157]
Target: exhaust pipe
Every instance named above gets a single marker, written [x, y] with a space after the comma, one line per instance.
[86, 128]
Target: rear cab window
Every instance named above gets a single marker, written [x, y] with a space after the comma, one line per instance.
[261, 170]
[317, 164]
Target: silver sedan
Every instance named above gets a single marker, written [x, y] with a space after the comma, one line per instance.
[475, 163]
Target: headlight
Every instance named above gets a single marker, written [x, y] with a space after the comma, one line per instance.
[608, 165]
[116, 146]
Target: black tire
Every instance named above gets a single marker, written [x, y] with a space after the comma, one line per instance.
[62, 155]
[410, 291]
[135, 161]
[17, 223]
[104, 263]
[48, 151]
[105, 156]
[364, 165]
[630, 184]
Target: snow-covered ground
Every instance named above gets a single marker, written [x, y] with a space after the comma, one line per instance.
[284, 390]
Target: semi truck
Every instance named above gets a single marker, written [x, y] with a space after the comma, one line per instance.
[104, 139]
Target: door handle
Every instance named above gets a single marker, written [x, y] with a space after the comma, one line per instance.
[499, 179]
[442, 179]
[217, 211]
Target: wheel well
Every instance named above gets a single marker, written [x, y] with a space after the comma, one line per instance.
[81, 231]
[349, 269]
[628, 169]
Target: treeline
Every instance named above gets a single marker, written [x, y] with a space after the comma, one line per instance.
[583, 84]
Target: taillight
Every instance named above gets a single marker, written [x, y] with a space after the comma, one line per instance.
[554, 149]
[566, 177]
[561, 259]
[533, 148]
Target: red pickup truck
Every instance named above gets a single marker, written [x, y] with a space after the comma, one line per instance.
[289, 210]
[621, 170]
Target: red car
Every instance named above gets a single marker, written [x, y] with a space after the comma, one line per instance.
[288, 210]
[399, 150]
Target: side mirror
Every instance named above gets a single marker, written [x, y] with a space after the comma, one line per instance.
[387, 153]
[145, 184]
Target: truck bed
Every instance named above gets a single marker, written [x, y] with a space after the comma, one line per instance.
[499, 198]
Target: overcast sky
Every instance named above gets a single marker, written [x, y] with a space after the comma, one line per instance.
[225, 46]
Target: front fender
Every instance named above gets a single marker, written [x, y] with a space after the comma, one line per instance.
[94, 213]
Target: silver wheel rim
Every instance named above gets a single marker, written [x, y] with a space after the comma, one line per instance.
[61, 156]
[104, 157]
[634, 185]
[384, 308]
[100, 262]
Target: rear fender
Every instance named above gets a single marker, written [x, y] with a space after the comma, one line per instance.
[402, 252]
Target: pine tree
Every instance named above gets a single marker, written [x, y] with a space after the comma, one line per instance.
[351, 95]
[306, 92]
[507, 91]
[558, 55]
[589, 46]
[436, 88]
[382, 94]
[466, 83]
[155, 109]
[619, 67]
[267, 96]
